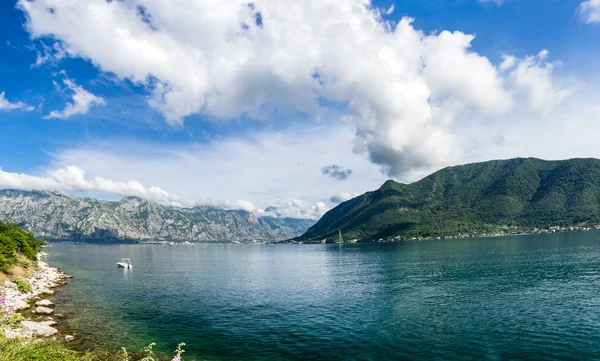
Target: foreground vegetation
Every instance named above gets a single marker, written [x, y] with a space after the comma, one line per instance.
[18, 248]
[52, 350]
[488, 197]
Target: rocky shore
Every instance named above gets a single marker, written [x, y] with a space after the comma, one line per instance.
[42, 283]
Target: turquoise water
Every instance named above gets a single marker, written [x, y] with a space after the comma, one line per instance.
[528, 297]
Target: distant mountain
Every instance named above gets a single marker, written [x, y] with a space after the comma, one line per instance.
[479, 197]
[55, 215]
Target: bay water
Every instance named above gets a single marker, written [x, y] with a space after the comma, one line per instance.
[526, 297]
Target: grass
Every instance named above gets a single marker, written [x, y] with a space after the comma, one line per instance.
[22, 350]
[18, 271]
[4, 277]
[52, 350]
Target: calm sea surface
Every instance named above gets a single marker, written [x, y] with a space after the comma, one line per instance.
[528, 297]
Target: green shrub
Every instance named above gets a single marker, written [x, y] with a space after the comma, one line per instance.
[15, 241]
[5, 264]
[22, 285]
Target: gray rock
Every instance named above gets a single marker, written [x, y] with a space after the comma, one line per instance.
[9, 285]
[48, 292]
[39, 329]
[45, 303]
[43, 310]
[20, 304]
[69, 338]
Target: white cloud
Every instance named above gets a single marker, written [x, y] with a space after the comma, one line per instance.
[402, 89]
[532, 78]
[590, 11]
[495, 2]
[390, 10]
[452, 71]
[508, 62]
[82, 101]
[342, 197]
[295, 209]
[73, 178]
[7, 105]
[49, 54]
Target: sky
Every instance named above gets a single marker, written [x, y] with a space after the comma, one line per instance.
[287, 107]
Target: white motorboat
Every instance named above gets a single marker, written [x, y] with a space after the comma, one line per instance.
[125, 263]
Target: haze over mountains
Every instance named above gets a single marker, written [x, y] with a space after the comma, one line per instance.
[54, 215]
[472, 198]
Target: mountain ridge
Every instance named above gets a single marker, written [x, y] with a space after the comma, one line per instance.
[59, 216]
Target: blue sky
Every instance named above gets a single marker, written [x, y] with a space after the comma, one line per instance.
[247, 139]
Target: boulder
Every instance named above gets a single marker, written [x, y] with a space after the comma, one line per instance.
[69, 338]
[9, 285]
[45, 303]
[43, 310]
[39, 329]
[48, 292]
[20, 305]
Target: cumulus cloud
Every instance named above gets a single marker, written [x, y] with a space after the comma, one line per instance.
[532, 78]
[336, 172]
[342, 197]
[82, 101]
[590, 11]
[7, 105]
[401, 89]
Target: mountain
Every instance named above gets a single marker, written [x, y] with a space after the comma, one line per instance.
[474, 198]
[55, 215]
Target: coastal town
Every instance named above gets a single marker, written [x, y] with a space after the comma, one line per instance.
[505, 231]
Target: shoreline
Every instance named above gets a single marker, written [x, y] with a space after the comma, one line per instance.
[35, 307]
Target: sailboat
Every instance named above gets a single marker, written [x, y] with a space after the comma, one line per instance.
[340, 239]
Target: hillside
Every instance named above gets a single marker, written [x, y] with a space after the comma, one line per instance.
[16, 247]
[53, 215]
[472, 198]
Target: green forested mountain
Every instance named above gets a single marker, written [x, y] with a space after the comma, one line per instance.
[472, 198]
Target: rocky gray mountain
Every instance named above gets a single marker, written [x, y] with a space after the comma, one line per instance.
[55, 215]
